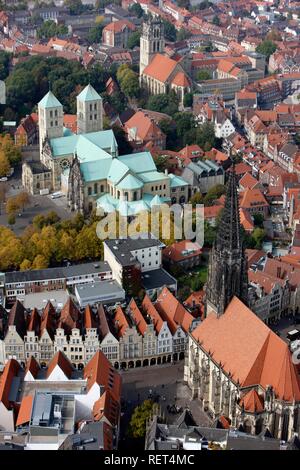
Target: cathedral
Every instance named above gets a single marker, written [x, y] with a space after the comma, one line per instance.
[159, 74]
[87, 167]
[236, 366]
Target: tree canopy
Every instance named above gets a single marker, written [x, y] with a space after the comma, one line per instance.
[50, 29]
[266, 47]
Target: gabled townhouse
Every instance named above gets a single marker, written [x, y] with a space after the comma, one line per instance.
[16, 330]
[90, 330]
[146, 329]
[109, 343]
[164, 335]
[287, 156]
[130, 340]
[141, 129]
[254, 202]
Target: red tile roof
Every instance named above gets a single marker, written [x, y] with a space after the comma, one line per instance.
[248, 181]
[248, 350]
[25, 410]
[99, 370]
[253, 198]
[69, 317]
[138, 318]
[181, 80]
[62, 362]
[32, 366]
[160, 68]
[148, 308]
[172, 311]
[106, 407]
[252, 402]
[121, 322]
[11, 370]
[182, 250]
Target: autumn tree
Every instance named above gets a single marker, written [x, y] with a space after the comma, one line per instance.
[11, 151]
[4, 164]
[22, 199]
[12, 205]
[25, 265]
[40, 262]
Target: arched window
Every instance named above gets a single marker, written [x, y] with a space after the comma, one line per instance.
[95, 188]
[89, 191]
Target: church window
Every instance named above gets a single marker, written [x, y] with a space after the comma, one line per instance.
[55, 113]
[51, 124]
[102, 188]
[89, 191]
[95, 116]
[95, 106]
[91, 117]
[56, 123]
[91, 107]
[51, 113]
[95, 188]
[126, 196]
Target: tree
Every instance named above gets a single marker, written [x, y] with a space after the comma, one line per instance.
[209, 234]
[4, 164]
[183, 34]
[183, 293]
[50, 29]
[203, 75]
[4, 64]
[11, 219]
[258, 235]
[258, 219]
[161, 162]
[136, 10]
[12, 152]
[197, 198]
[216, 20]
[95, 34]
[130, 85]
[167, 104]
[134, 39]
[22, 199]
[25, 265]
[40, 262]
[139, 418]
[12, 205]
[188, 100]
[214, 193]
[184, 123]
[123, 144]
[266, 48]
[75, 6]
[170, 31]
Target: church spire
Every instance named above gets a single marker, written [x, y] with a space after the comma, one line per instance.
[228, 272]
[229, 230]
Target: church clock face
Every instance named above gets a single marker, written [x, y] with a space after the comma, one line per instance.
[64, 164]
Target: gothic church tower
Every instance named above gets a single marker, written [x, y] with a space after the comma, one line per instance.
[152, 42]
[227, 273]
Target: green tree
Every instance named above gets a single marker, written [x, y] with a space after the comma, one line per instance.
[95, 34]
[50, 29]
[188, 100]
[258, 219]
[214, 193]
[130, 85]
[123, 144]
[197, 198]
[136, 10]
[258, 236]
[203, 75]
[266, 48]
[75, 6]
[167, 104]
[139, 418]
[184, 123]
[4, 64]
[11, 219]
[216, 20]
[209, 234]
[134, 39]
[183, 34]
[170, 30]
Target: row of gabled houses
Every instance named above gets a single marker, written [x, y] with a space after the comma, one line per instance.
[148, 334]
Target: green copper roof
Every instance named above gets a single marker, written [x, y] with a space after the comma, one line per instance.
[130, 182]
[152, 176]
[176, 181]
[89, 94]
[95, 170]
[88, 147]
[49, 101]
[117, 171]
[139, 162]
